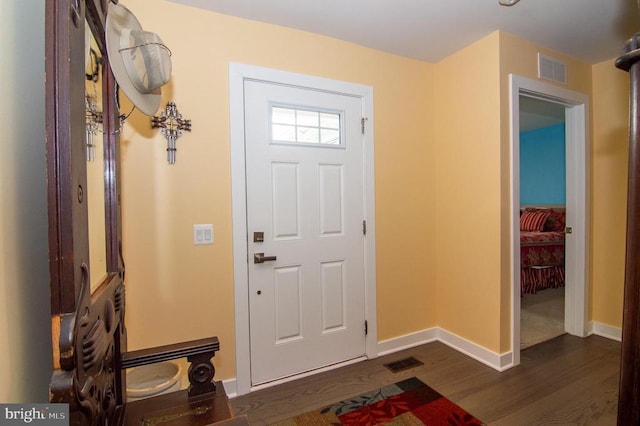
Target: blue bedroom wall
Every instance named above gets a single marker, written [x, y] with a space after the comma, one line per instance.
[542, 166]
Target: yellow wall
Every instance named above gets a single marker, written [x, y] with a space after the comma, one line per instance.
[442, 152]
[608, 89]
[468, 192]
[519, 56]
[176, 291]
[609, 156]
[473, 182]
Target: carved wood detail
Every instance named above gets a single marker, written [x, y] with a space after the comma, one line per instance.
[201, 372]
[88, 379]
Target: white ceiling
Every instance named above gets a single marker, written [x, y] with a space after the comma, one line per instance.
[430, 30]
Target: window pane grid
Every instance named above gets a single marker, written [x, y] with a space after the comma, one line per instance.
[292, 125]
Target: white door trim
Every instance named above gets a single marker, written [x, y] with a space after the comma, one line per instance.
[238, 73]
[577, 137]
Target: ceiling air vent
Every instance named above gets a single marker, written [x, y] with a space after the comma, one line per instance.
[552, 69]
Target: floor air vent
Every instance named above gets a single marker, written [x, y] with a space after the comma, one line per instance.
[403, 364]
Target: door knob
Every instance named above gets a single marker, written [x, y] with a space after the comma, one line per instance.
[261, 258]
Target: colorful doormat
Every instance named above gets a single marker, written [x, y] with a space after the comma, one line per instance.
[409, 402]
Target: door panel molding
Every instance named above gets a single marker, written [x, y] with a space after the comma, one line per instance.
[238, 74]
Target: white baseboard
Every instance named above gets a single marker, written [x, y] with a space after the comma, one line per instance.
[606, 330]
[494, 360]
[230, 387]
[407, 341]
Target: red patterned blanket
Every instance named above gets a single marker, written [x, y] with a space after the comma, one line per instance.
[542, 248]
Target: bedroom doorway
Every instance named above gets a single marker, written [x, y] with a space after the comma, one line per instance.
[575, 108]
[542, 219]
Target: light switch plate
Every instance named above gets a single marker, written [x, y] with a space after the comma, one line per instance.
[202, 234]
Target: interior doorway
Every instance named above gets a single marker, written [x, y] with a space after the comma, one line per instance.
[576, 106]
[542, 195]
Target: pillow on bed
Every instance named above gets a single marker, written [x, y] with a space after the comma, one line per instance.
[556, 219]
[533, 220]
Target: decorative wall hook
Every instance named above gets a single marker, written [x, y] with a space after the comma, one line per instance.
[171, 126]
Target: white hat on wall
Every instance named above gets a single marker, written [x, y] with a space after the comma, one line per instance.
[140, 61]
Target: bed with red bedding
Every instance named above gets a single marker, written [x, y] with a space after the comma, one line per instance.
[542, 241]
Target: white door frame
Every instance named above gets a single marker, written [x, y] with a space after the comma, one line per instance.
[577, 189]
[238, 73]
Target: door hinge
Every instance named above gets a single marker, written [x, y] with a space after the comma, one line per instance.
[363, 120]
[364, 227]
[366, 327]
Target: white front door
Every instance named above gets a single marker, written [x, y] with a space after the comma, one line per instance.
[304, 189]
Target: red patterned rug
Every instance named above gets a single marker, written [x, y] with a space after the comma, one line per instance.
[409, 402]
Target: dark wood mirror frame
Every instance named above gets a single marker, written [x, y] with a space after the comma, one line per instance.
[88, 329]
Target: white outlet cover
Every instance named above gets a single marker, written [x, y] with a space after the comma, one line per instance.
[202, 234]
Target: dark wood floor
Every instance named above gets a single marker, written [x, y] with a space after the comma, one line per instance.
[565, 381]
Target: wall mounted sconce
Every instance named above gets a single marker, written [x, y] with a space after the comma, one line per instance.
[171, 125]
[507, 2]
